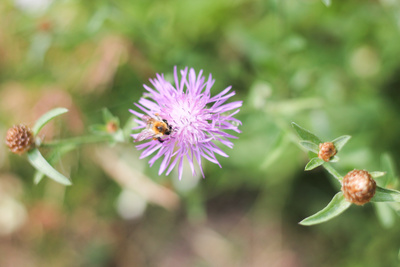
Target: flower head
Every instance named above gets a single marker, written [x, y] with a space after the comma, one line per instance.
[358, 187]
[185, 121]
[19, 139]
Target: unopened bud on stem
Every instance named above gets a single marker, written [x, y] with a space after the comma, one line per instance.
[112, 127]
[326, 151]
[358, 187]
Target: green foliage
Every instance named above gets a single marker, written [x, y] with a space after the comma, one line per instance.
[310, 146]
[339, 203]
[40, 163]
[53, 158]
[377, 174]
[306, 135]
[111, 127]
[109, 131]
[46, 118]
[313, 163]
[311, 143]
[36, 158]
[341, 141]
[386, 195]
[333, 70]
[333, 209]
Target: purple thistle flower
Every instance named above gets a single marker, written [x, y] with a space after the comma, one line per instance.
[197, 120]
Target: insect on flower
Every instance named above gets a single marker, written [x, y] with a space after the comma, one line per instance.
[155, 128]
[186, 119]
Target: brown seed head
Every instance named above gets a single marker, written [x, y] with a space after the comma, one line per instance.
[326, 151]
[19, 138]
[358, 187]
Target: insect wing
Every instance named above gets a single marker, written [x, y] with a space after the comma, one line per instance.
[146, 118]
[145, 134]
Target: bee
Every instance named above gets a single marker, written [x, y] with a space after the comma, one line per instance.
[155, 128]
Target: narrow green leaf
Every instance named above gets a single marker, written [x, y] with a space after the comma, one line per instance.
[341, 141]
[38, 177]
[306, 135]
[40, 163]
[312, 155]
[327, 2]
[109, 117]
[45, 118]
[386, 195]
[313, 163]
[54, 157]
[377, 174]
[337, 205]
[309, 146]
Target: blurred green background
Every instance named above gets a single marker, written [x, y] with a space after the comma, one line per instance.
[333, 70]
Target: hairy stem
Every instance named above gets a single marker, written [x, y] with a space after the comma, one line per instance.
[332, 171]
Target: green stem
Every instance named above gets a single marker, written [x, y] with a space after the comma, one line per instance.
[332, 171]
[76, 141]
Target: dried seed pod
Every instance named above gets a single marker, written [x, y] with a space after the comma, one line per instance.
[19, 139]
[326, 151]
[358, 187]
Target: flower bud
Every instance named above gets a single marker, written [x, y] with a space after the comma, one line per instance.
[358, 187]
[111, 127]
[326, 151]
[19, 139]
